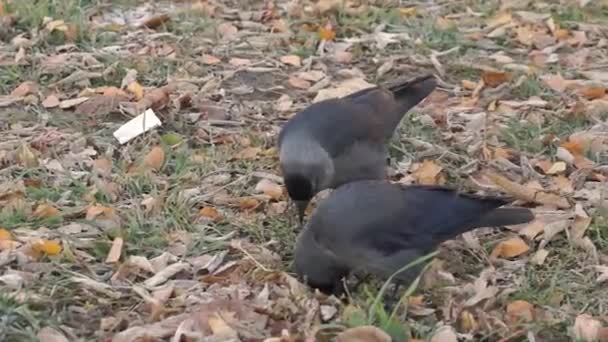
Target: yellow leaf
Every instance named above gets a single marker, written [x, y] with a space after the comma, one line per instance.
[467, 321]
[44, 211]
[520, 310]
[210, 212]
[48, 247]
[510, 248]
[429, 173]
[327, 32]
[557, 167]
[136, 89]
[155, 158]
[407, 11]
[494, 78]
[5, 234]
[26, 157]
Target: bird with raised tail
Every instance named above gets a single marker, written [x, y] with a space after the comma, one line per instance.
[379, 227]
[341, 140]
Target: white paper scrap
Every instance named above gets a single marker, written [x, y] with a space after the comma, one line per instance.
[137, 126]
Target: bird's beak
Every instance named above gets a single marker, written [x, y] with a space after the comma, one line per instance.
[301, 206]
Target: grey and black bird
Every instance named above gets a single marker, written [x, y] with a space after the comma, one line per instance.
[378, 227]
[341, 140]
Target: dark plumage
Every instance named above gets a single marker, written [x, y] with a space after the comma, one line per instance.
[337, 141]
[379, 227]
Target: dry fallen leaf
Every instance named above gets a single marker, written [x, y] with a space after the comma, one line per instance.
[136, 89]
[299, 83]
[586, 328]
[494, 78]
[248, 153]
[366, 333]
[445, 334]
[5, 234]
[44, 211]
[293, 60]
[327, 32]
[47, 247]
[210, 60]
[26, 156]
[528, 193]
[248, 203]
[115, 250]
[210, 212]
[155, 158]
[103, 166]
[510, 248]
[428, 173]
[155, 21]
[520, 311]
[269, 188]
[48, 334]
[24, 89]
[51, 101]
[593, 92]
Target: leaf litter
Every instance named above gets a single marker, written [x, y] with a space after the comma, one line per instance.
[139, 175]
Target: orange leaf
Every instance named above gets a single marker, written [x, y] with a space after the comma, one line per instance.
[520, 310]
[327, 32]
[48, 247]
[44, 211]
[468, 85]
[574, 147]
[510, 248]
[155, 158]
[494, 78]
[269, 188]
[210, 212]
[593, 92]
[5, 234]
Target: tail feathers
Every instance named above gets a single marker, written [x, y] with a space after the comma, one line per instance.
[411, 92]
[504, 217]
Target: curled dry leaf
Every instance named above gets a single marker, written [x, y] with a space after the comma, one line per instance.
[366, 333]
[494, 78]
[155, 158]
[510, 248]
[155, 21]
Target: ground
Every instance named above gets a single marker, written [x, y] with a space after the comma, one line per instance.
[185, 232]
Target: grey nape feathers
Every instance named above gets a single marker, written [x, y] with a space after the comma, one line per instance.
[341, 140]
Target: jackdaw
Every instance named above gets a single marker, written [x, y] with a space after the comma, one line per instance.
[379, 227]
[341, 140]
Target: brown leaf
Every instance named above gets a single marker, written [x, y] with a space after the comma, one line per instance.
[526, 193]
[48, 334]
[155, 158]
[532, 230]
[468, 85]
[25, 88]
[227, 31]
[563, 183]
[210, 60]
[98, 211]
[115, 250]
[44, 211]
[103, 166]
[593, 92]
[97, 106]
[366, 333]
[210, 212]
[293, 60]
[269, 188]
[155, 21]
[155, 99]
[510, 248]
[520, 311]
[494, 78]
[248, 153]
[557, 82]
[248, 203]
[586, 328]
[51, 101]
[239, 61]
[428, 173]
[26, 156]
[65, 104]
[299, 83]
